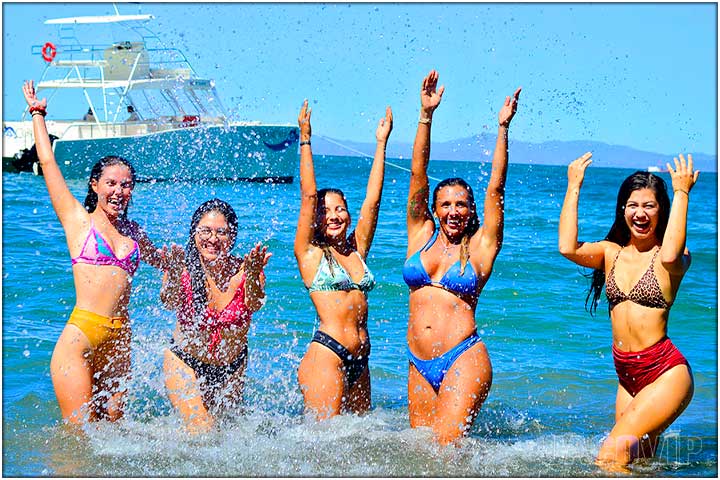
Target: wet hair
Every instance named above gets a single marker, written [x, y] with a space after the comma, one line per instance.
[193, 261]
[474, 222]
[620, 233]
[319, 238]
[96, 172]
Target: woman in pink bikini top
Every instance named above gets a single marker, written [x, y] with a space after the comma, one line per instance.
[642, 261]
[214, 295]
[106, 248]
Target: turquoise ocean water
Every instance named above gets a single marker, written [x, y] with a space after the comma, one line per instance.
[553, 393]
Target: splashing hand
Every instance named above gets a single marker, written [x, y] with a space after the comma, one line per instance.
[173, 260]
[256, 259]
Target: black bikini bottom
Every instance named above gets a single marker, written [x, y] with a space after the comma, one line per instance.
[353, 366]
[212, 375]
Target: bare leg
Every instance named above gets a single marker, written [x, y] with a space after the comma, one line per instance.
[185, 394]
[644, 418]
[322, 381]
[111, 362]
[463, 390]
[421, 399]
[72, 375]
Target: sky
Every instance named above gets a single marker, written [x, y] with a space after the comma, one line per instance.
[642, 75]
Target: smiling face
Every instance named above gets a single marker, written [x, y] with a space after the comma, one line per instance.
[114, 189]
[454, 210]
[333, 218]
[642, 213]
[212, 236]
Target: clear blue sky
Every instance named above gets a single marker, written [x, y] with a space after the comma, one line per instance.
[640, 75]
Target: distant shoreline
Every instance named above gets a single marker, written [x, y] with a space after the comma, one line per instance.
[552, 153]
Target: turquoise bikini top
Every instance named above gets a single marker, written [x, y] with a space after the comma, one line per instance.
[338, 279]
[416, 276]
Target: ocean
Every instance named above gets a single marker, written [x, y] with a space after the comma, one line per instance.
[553, 393]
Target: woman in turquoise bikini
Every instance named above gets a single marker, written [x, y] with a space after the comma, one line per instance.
[447, 267]
[90, 365]
[334, 374]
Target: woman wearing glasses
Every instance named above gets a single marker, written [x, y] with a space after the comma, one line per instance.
[214, 295]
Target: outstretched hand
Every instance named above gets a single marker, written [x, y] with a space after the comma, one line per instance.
[507, 112]
[683, 177]
[31, 97]
[576, 170]
[256, 259]
[430, 95]
[173, 259]
[304, 122]
[384, 126]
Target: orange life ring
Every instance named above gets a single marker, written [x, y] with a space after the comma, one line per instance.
[48, 52]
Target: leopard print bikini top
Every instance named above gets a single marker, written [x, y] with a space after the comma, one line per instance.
[646, 291]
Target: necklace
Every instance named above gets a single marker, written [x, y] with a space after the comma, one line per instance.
[448, 248]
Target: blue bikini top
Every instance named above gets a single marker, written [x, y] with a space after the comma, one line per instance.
[338, 279]
[416, 276]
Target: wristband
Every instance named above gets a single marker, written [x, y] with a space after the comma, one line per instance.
[37, 110]
[425, 120]
[681, 190]
[305, 142]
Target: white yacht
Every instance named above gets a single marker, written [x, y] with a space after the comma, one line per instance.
[144, 102]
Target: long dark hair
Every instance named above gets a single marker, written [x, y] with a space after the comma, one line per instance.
[193, 262]
[319, 238]
[620, 233]
[474, 222]
[96, 172]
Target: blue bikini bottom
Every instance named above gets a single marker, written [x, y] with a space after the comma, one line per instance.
[434, 370]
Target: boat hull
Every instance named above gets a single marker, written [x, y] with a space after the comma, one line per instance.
[263, 153]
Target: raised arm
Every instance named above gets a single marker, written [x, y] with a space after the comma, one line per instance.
[585, 254]
[171, 289]
[418, 211]
[253, 263]
[308, 188]
[490, 236]
[66, 206]
[365, 230]
[673, 254]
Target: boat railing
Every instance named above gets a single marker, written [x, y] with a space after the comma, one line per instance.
[91, 130]
[156, 62]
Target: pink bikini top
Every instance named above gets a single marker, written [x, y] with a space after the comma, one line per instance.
[96, 251]
[234, 313]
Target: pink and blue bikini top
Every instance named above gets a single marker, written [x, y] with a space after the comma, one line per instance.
[416, 276]
[96, 251]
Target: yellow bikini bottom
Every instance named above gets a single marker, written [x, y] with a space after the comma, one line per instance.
[97, 329]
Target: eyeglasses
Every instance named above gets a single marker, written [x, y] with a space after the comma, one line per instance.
[205, 233]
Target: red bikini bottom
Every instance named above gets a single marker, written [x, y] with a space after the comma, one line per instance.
[636, 370]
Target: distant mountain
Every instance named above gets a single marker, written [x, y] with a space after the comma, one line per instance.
[480, 148]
